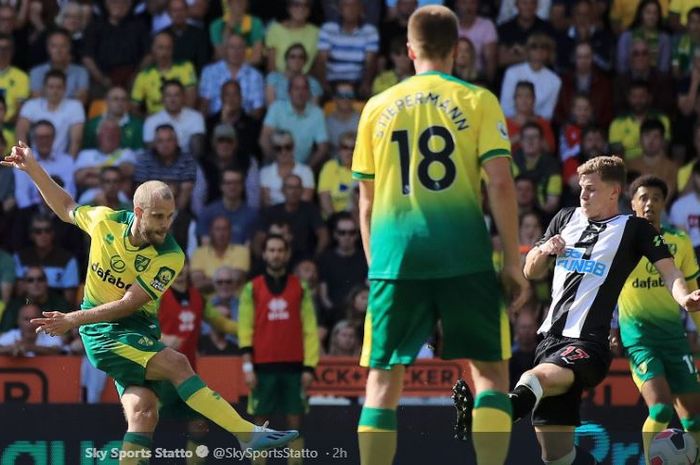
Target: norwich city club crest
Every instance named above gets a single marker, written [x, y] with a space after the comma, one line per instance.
[141, 263]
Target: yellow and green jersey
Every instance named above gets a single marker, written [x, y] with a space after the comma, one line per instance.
[115, 265]
[423, 142]
[648, 312]
[148, 83]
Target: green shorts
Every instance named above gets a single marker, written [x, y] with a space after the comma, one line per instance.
[277, 393]
[675, 364]
[402, 314]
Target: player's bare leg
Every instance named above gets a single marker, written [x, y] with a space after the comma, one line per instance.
[544, 380]
[657, 395]
[688, 409]
[377, 426]
[141, 411]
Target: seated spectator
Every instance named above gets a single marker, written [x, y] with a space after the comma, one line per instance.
[14, 83]
[647, 26]
[77, 78]
[509, 9]
[593, 144]
[55, 162]
[654, 159]
[685, 46]
[25, 341]
[296, 29]
[547, 84]
[191, 42]
[59, 265]
[149, 83]
[187, 123]
[6, 131]
[307, 272]
[231, 205]
[217, 342]
[272, 176]
[394, 26]
[335, 181]
[74, 17]
[110, 191]
[624, 130]
[344, 117]
[117, 108]
[513, 34]
[481, 33]
[66, 115]
[303, 119]
[237, 21]
[7, 280]
[688, 102]
[526, 195]
[228, 283]
[344, 341]
[309, 233]
[232, 66]
[108, 153]
[356, 308]
[524, 344]
[347, 49]
[530, 231]
[581, 117]
[685, 172]
[232, 113]
[401, 67]
[685, 211]
[524, 98]
[277, 82]
[220, 251]
[465, 62]
[35, 290]
[584, 30]
[168, 163]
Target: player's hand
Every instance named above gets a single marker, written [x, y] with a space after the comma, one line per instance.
[21, 158]
[306, 379]
[692, 301]
[516, 286]
[251, 380]
[614, 340]
[53, 323]
[554, 246]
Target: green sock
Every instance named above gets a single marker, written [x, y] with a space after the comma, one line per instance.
[376, 434]
[136, 449]
[491, 425]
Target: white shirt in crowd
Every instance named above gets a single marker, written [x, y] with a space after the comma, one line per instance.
[188, 123]
[547, 85]
[685, 214]
[57, 164]
[270, 179]
[13, 336]
[68, 113]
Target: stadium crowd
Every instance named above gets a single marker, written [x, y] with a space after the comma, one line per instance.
[248, 110]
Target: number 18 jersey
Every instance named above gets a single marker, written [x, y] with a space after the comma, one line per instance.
[423, 142]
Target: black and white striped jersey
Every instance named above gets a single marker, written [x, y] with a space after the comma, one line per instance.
[589, 275]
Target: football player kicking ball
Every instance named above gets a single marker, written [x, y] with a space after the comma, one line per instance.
[651, 329]
[133, 260]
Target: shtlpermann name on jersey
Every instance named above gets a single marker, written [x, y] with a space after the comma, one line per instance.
[421, 98]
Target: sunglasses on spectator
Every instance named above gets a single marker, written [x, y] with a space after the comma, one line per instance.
[221, 282]
[42, 230]
[284, 148]
[35, 279]
[346, 232]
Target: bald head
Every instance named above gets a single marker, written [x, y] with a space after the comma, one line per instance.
[151, 192]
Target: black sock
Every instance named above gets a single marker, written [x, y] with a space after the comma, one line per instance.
[523, 401]
[583, 457]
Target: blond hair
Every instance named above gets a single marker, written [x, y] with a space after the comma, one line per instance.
[609, 168]
[150, 191]
[432, 31]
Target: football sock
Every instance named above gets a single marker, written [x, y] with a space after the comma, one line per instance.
[136, 448]
[194, 459]
[210, 405]
[692, 426]
[491, 425]
[376, 434]
[525, 396]
[296, 445]
[656, 422]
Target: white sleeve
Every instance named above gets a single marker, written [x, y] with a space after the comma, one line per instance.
[307, 176]
[149, 130]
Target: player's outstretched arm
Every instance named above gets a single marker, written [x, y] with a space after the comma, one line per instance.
[56, 198]
[675, 282]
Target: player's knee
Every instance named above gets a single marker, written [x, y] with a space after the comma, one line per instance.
[691, 423]
[176, 366]
[142, 416]
[384, 387]
[661, 413]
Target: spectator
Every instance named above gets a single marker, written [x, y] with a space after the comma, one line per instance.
[7, 132]
[109, 192]
[530, 230]
[277, 83]
[117, 108]
[232, 66]
[531, 160]
[188, 123]
[108, 153]
[115, 45]
[307, 272]
[581, 117]
[343, 266]
[216, 342]
[515, 33]
[14, 83]
[344, 117]
[66, 115]
[303, 119]
[348, 49]
[685, 46]
[335, 181]
[168, 163]
[647, 26]
[231, 205]
[278, 337]
[303, 217]
[220, 251]
[55, 162]
[296, 29]
[401, 65]
[685, 172]
[679, 15]
[586, 78]
[482, 34]
[624, 130]
[73, 17]
[465, 61]
[237, 21]
[228, 283]
[25, 341]
[654, 159]
[77, 79]
[584, 30]
[524, 344]
[395, 27]
[273, 175]
[624, 12]
[191, 42]
[149, 83]
[356, 305]
[344, 341]
[547, 84]
[232, 113]
[685, 211]
[688, 92]
[593, 144]
[509, 9]
[526, 195]
[60, 266]
[7, 280]
[8, 203]
[11, 25]
[35, 291]
[524, 97]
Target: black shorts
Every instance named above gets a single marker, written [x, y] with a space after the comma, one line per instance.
[590, 362]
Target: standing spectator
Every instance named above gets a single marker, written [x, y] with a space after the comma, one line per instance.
[149, 83]
[685, 211]
[117, 108]
[115, 45]
[685, 46]
[482, 34]
[58, 45]
[335, 181]
[344, 341]
[344, 117]
[303, 119]
[59, 265]
[524, 98]
[74, 17]
[277, 82]
[401, 66]
[348, 49]
[513, 34]
[232, 113]
[547, 84]
[14, 83]
[188, 123]
[220, 251]
[35, 291]
[25, 341]
[232, 66]
[647, 26]
[66, 115]
[272, 176]
[654, 159]
[237, 21]
[296, 29]
[191, 42]
[584, 30]
[278, 336]
[465, 62]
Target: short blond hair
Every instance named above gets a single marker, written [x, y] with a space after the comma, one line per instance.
[609, 168]
[432, 31]
[150, 191]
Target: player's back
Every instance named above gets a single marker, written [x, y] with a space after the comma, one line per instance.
[423, 142]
